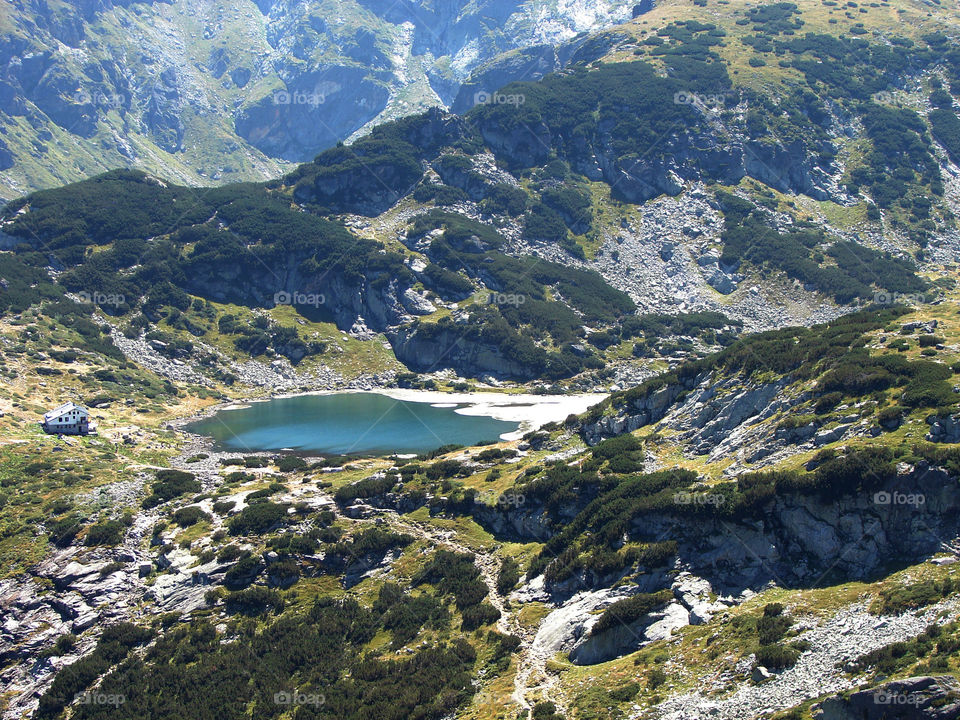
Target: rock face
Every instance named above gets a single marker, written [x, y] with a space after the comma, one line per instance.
[530, 64]
[656, 625]
[315, 111]
[644, 411]
[722, 417]
[451, 348]
[797, 537]
[129, 82]
[339, 187]
[792, 541]
[690, 157]
[916, 698]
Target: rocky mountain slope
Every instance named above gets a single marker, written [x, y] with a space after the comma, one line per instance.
[224, 91]
[736, 220]
[519, 240]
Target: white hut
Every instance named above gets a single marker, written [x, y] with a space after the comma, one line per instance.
[68, 419]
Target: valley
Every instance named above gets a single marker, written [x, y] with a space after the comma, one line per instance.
[488, 509]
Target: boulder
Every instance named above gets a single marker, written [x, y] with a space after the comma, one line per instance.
[658, 624]
[915, 698]
[944, 428]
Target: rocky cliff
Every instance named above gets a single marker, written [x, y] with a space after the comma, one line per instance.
[795, 540]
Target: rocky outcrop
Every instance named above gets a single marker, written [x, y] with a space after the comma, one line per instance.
[370, 177]
[452, 347]
[944, 428]
[697, 155]
[314, 111]
[785, 168]
[531, 63]
[914, 698]
[568, 628]
[796, 538]
[534, 524]
[722, 418]
[163, 109]
[655, 625]
[637, 413]
[792, 541]
[526, 64]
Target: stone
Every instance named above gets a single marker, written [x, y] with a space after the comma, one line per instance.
[944, 428]
[915, 698]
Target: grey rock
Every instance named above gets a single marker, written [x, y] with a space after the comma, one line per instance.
[824, 437]
[721, 282]
[944, 428]
[656, 625]
[915, 698]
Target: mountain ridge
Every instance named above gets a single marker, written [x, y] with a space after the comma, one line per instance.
[235, 91]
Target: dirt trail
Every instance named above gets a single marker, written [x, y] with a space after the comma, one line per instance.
[532, 682]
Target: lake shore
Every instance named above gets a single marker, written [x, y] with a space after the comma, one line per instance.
[531, 411]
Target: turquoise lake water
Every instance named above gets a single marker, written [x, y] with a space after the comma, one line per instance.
[346, 424]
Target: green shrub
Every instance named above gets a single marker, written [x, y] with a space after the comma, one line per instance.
[366, 488]
[508, 576]
[656, 678]
[105, 532]
[629, 610]
[114, 645]
[257, 519]
[898, 599]
[63, 531]
[475, 616]
[777, 657]
[445, 469]
[222, 507]
[190, 515]
[242, 572]
[929, 340]
[169, 485]
[291, 463]
[254, 601]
